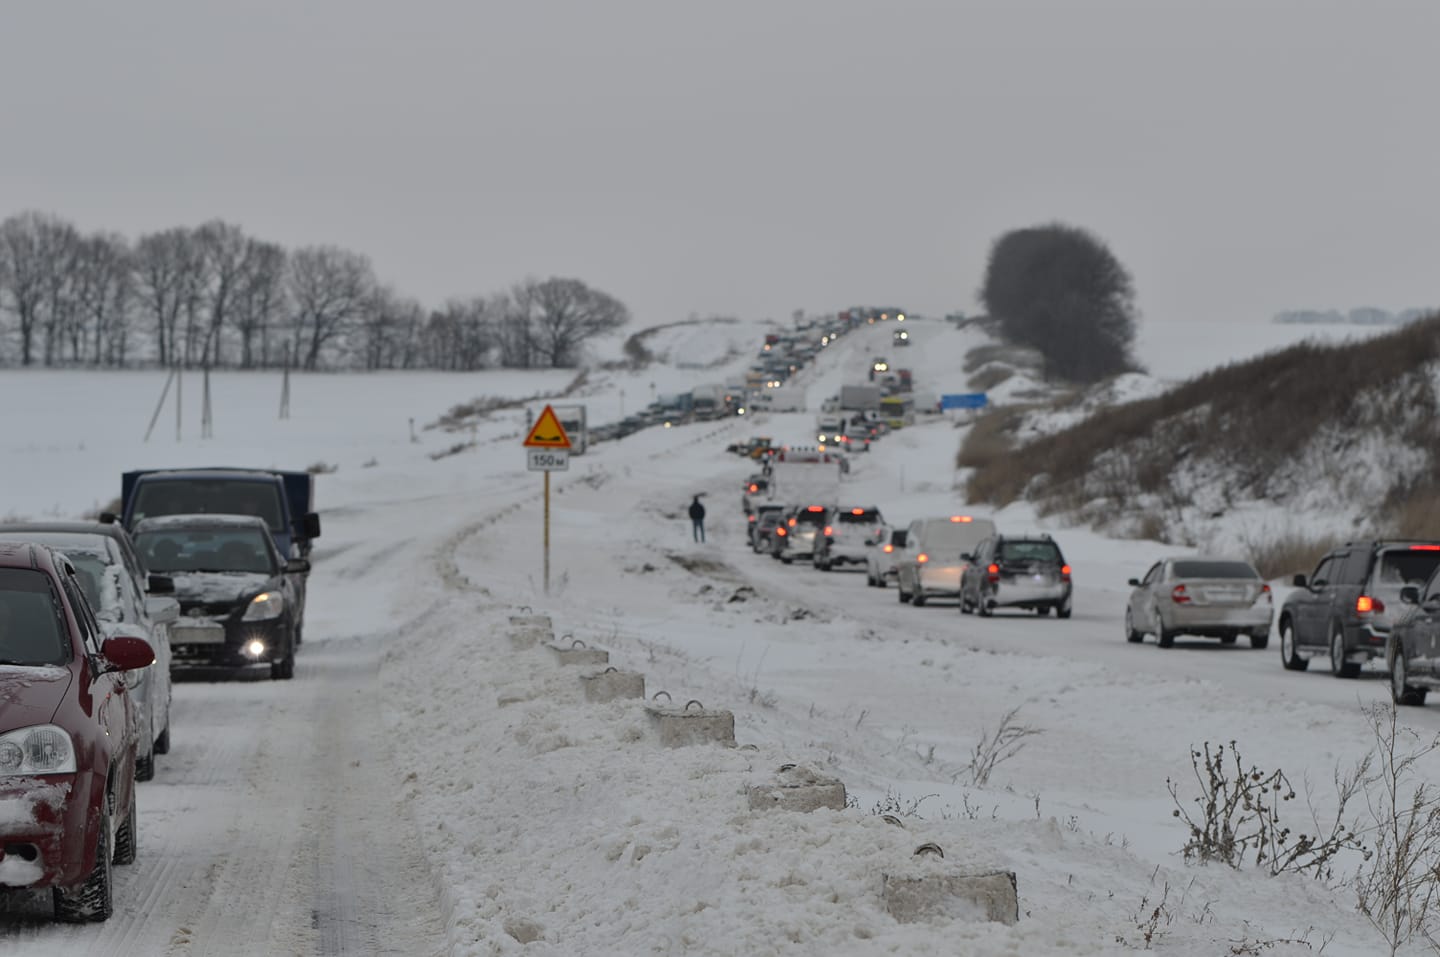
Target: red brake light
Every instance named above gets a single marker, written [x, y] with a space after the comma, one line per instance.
[857, 511]
[992, 573]
[816, 508]
[791, 523]
[889, 549]
[1179, 595]
[1425, 548]
[752, 518]
[754, 487]
[780, 531]
[961, 518]
[1366, 604]
[829, 531]
[922, 558]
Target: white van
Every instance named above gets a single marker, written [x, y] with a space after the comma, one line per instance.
[930, 566]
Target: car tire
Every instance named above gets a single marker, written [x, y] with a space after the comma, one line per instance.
[1400, 692]
[1339, 667]
[1288, 656]
[145, 763]
[918, 599]
[1063, 611]
[786, 560]
[1228, 639]
[1164, 637]
[92, 900]
[1131, 635]
[901, 593]
[982, 607]
[162, 743]
[126, 836]
[284, 669]
[1260, 640]
[967, 607]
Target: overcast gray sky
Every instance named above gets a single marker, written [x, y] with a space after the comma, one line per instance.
[755, 157]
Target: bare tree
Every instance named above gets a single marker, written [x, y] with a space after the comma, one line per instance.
[104, 283]
[565, 314]
[34, 252]
[330, 289]
[259, 301]
[166, 270]
[390, 323]
[226, 255]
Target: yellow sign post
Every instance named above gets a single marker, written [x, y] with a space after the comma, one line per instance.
[549, 435]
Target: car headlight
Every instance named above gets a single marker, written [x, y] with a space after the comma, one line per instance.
[43, 749]
[264, 606]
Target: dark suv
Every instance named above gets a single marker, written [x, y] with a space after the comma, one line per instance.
[1413, 654]
[1016, 571]
[1344, 608]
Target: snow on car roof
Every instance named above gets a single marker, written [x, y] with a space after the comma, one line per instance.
[200, 519]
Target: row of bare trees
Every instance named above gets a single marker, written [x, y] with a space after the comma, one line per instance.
[213, 296]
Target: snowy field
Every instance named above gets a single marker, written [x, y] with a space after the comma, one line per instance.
[511, 817]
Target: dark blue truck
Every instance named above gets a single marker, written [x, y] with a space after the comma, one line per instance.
[285, 500]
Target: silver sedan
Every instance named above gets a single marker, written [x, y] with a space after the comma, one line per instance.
[1209, 597]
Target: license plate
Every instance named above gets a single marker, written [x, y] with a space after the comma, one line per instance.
[1224, 594]
[198, 634]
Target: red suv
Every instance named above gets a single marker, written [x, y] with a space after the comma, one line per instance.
[68, 736]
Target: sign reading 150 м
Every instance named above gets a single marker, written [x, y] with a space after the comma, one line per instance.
[547, 447]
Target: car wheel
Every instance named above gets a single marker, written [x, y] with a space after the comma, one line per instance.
[90, 901]
[918, 599]
[1401, 692]
[901, 593]
[126, 841]
[786, 560]
[1228, 639]
[162, 743]
[967, 607]
[1260, 639]
[1288, 657]
[1131, 635]
[284, 669]
[1063, 611]
[1042, 610]
[1338, 665]
[145, 763]
[1164, 637]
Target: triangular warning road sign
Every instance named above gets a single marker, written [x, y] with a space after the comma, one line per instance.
[547, 432]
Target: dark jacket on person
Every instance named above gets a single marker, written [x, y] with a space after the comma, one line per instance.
[697, 511]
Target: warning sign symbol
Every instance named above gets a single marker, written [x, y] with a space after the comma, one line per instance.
[547, 432]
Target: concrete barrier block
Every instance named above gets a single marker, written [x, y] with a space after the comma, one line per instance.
[532, 621]
[611, 684]
[529, 636]
[692, 724]
[576, 653]
[798, 789]
[990, 895]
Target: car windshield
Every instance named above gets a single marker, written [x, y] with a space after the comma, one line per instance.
[1215, 569]
[210, 497]
[1029, 552]
[1405, 566]
[32, 630]
[169, 550]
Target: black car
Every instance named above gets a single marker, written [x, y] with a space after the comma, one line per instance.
[1016, 571]
[1413, 652]
[1343, 609]
[762, 529]
[240, 606]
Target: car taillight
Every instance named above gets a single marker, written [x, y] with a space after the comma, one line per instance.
[780, 531]
[1365, 604]
[1064, 573]
[993, 573]
[889, 549]
[754, 488]
[829, 531]
[1425, 548]
[1179, 595]
[752, 518]
[922, 558]
[791, 523]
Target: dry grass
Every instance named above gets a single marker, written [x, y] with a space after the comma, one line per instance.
[1290, 553]
[1415, 513]
[989, 377]
[989, 449]
[1248, 421]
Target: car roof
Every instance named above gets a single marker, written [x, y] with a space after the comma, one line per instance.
[201, 520]
[63, 539]
[108, 529]
[28, 555]
[252, 475]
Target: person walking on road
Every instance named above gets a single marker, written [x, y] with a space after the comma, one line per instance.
[697, 519]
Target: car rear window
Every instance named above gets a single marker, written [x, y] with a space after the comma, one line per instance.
[31, 629]
[1405, 566]
[807, 517]
[210, 496]
[866, 516]
[1203, 569]
[898, 536]
[1029, 552]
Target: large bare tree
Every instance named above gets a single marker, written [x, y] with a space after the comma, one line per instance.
[36, 252]
[167, 272]
[330, 289]
[259, 301]
[564, 314]
[225, 253]
[105, 285]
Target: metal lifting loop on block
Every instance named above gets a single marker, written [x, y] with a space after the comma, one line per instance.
[695, 703]
[892, 819]
[786, 767]
[527, 609]
[656, 696]
[609, 669]
[929, 847]
[577, 643]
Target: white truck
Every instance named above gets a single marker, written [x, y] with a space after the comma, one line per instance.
[860, 398]
[782, 399]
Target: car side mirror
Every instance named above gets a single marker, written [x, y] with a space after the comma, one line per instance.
[162, 609]
[108, 518]
[124, 651]
[1134, 583]
[297, 566]
[311, 524]
[1298, 581]
[160, 585]
[967, 557]
[1410, 595]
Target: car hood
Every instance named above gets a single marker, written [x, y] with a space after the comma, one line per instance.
[220, 588]
[31, 695]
